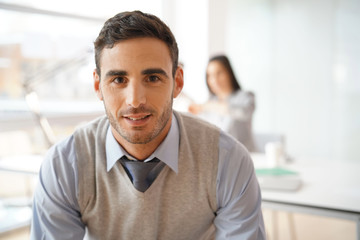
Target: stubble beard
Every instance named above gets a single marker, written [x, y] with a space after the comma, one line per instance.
[140, 136]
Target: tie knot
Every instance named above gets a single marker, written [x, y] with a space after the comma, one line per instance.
[140, 172]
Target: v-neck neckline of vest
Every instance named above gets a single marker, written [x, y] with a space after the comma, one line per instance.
[131, 186]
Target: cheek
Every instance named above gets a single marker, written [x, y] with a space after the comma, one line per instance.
[220, 82]
[113, 100]
[213, 84]
[225, 78]
[159, 99]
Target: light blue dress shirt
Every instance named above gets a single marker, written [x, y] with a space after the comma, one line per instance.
[56, 213]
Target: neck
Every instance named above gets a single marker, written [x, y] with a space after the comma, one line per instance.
[224, 95]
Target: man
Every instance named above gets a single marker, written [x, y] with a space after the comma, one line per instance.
[198, 183]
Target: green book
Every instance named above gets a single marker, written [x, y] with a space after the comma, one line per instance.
[276, 171]
[278, 178]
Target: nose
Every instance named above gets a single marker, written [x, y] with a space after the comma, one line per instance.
[135, 94]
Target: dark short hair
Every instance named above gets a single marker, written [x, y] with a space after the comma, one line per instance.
[130, 25]
[226, 63]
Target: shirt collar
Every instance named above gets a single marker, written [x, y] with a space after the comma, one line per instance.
[167, 152]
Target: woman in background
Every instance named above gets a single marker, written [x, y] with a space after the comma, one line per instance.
[228, 107]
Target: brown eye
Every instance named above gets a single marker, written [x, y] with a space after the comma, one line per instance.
[153, 78]
[119, 80]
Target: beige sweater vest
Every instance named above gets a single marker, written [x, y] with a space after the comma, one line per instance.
[176, 206]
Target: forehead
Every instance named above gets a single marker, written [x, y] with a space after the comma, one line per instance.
[215, 66]
[137, 52]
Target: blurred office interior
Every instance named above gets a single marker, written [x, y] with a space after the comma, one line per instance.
[301, 58]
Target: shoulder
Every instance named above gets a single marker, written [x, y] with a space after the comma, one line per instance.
[63, 155]
[244, 94]
[86, 135]
[61, 149]
[92, 126]
[198, 136]
[193, 122]
[233, 156]
[60, 156]
[197, 130]
[230, 144]
[242, 98]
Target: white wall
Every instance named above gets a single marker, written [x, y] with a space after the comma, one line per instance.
[302, 59]
[188, 21]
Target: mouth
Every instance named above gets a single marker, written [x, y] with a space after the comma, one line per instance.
[137, 119]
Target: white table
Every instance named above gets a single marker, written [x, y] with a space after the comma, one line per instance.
[329, 188]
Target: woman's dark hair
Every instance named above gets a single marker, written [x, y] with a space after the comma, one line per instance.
[226, 63]
[136, 24]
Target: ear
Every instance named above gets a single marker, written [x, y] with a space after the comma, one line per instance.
[97, 86]
[179, 81]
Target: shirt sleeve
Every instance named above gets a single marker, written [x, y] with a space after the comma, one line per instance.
[56, 211]
[241, 105]
[239, 213]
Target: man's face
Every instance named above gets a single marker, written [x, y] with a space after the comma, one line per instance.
[137, 88]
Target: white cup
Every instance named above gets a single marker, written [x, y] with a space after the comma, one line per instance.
[274, 152]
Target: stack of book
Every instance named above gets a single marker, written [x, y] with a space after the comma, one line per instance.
[278, 178]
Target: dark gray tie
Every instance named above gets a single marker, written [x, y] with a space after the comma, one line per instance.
[142, 174]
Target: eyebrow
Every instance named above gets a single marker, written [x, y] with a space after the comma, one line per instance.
[112, 73]
[154, 71]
